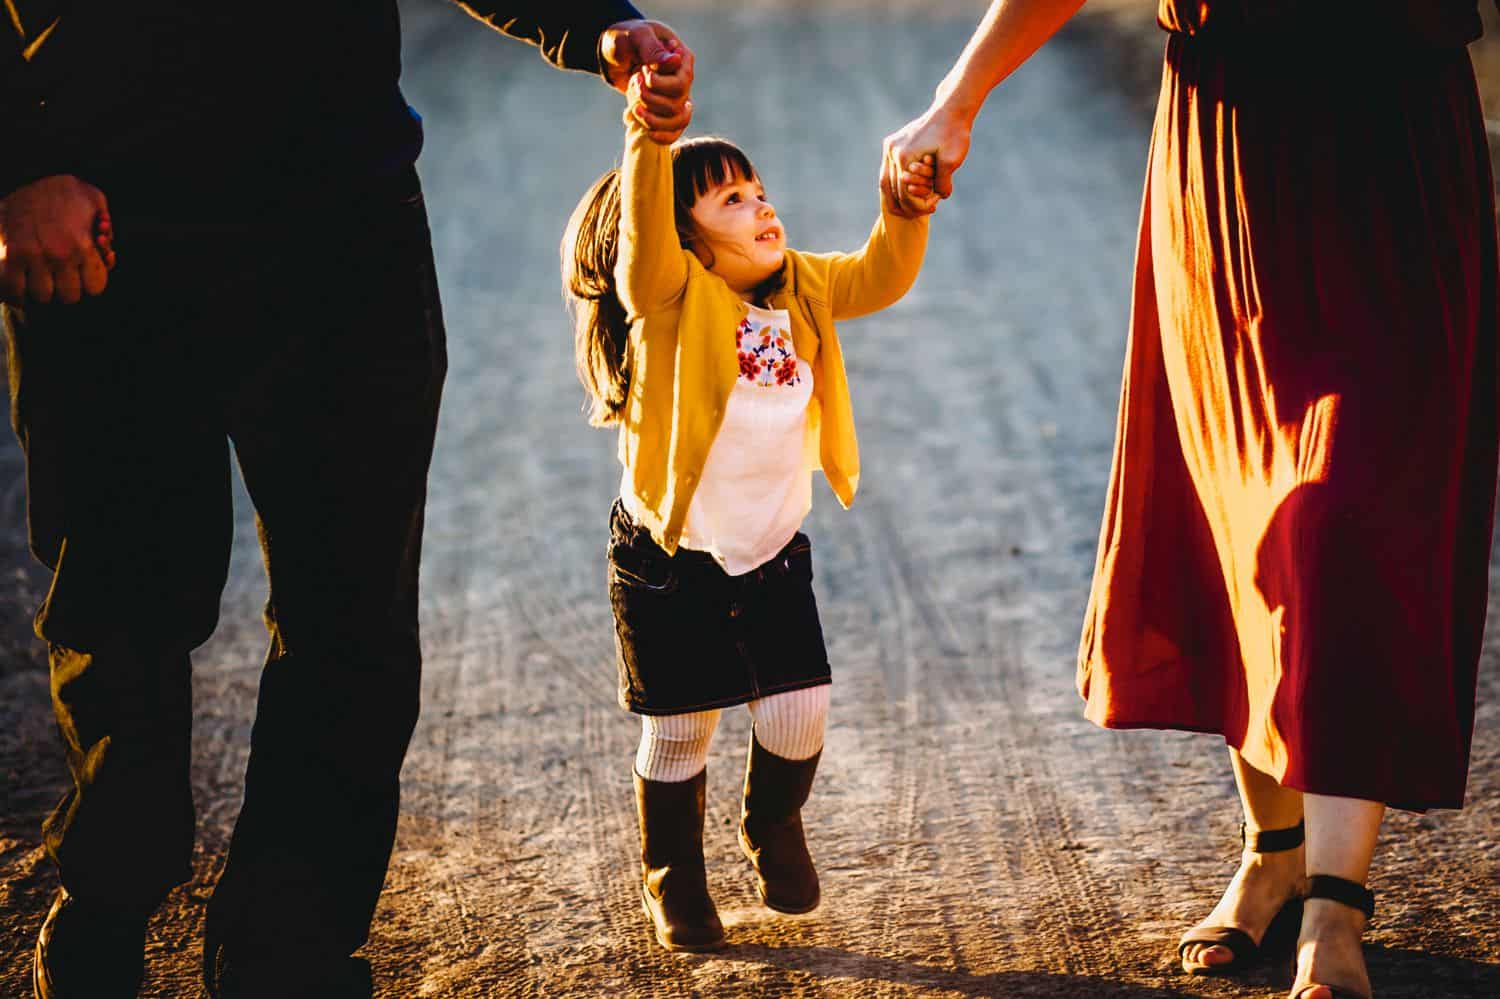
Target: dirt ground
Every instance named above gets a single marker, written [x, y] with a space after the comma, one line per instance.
[976, 837]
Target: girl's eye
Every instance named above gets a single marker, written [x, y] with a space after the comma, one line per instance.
[732, 199]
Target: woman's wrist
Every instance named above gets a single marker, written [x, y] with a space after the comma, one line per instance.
[956, 102]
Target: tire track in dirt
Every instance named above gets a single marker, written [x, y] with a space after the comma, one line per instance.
[900, 848]
[612, 881]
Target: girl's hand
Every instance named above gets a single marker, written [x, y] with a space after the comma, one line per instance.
[646, 109]
[916, 180]
[654, 68]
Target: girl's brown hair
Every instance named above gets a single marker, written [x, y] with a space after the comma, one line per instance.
[591, 247]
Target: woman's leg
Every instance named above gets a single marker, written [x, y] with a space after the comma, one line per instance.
[1265, 881]
[1341, 836]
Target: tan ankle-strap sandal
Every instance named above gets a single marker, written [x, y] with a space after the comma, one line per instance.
[1244, 948]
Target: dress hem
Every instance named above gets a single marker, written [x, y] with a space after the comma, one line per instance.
[1291, 781]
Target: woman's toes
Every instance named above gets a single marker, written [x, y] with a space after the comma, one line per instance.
[1207, 956]
[1215, 956]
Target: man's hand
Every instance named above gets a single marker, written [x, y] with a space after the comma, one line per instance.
[54, 241]
[665, 68]
[920, 160]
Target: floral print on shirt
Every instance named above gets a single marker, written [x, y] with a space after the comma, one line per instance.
[766, 354]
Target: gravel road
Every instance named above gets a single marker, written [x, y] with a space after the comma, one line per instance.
[976, 836]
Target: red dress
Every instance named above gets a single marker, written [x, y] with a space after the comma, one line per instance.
[1296, 539]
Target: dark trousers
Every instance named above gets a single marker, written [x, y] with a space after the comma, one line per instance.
[312, 341]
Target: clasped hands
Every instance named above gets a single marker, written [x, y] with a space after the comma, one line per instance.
[646, 61]
[920, 159]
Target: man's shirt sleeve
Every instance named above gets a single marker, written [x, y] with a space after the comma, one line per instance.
[567, 34]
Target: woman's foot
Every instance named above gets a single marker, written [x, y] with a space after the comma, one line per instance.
[1262, 886]
[1330, 960]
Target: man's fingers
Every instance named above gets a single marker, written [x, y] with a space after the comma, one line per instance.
[101, 203]
[39, 286]
[646, 48]
[67, 284]
[56, 241]
[94, 272]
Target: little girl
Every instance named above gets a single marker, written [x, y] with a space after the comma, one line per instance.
[712, 346]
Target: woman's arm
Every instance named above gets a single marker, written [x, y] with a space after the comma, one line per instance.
[1007, 36]
[651, 270]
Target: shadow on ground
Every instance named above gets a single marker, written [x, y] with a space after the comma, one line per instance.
[834, 963]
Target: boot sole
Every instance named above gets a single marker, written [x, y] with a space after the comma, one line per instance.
[788, 910]
[707, 947]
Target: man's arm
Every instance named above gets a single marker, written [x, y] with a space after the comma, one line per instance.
[566, 33]
[611, 38]
[55, 235]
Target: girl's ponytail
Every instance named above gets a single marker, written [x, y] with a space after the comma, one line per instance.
[590, 247]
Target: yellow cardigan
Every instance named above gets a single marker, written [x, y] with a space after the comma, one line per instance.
[683, 356]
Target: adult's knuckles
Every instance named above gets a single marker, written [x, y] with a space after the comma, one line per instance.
[62, 250]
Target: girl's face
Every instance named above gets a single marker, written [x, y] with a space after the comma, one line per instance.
[746, 241]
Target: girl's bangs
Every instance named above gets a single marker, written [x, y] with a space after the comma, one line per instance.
[704, 164]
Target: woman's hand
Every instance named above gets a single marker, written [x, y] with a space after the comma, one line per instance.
[647, 62]
[921, 157]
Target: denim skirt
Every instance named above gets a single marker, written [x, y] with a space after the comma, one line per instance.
[689, 636]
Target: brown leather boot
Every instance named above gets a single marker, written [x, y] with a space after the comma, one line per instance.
[674, 889]
[771, 829]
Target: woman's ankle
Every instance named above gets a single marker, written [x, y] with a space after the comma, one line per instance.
[1322, 917]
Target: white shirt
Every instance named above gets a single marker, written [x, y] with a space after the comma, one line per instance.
[756, 485]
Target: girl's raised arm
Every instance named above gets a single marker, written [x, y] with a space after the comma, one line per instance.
[652, 268]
